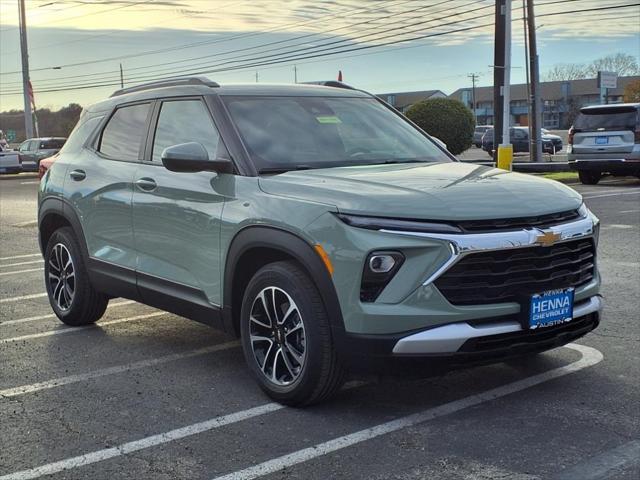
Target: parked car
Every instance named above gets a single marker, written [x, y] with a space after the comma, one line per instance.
[519, 137]
[35, 149]
[316, 223]
[9, 161]
[605, 139]
[478, 133]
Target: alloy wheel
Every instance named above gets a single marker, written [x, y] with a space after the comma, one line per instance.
[277, 336]
[62, 277]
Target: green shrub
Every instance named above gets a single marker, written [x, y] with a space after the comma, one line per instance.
[448, 119]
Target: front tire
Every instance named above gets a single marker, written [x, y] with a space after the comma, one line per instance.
[71, 295]
[286, 336]
[589, 178]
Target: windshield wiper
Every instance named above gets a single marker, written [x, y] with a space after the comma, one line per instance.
[284, 169]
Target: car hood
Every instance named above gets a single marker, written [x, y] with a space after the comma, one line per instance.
[437, 191]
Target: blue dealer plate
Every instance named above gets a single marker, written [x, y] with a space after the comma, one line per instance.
[602, 140]
[550, 308]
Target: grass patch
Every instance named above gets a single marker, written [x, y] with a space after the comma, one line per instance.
[561, 176]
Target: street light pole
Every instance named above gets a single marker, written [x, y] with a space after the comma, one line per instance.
[28, 114]
[473, 77]
[536, 104]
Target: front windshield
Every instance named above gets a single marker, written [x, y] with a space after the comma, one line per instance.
[288, 133]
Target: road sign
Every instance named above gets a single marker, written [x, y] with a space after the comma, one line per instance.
[11, 136]
[607, 79]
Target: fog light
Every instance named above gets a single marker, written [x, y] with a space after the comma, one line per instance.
[381, 263]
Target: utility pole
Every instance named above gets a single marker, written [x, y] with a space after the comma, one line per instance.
[295, 74]
[498, 71]
[121, 77]
[473, 77]
[28, 114]
[526, 63]
[536, 104]
[256, 77]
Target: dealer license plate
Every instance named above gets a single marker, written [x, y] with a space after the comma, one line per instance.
[550, 308]
[602, 140]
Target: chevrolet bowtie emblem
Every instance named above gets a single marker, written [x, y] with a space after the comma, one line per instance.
[546, 239]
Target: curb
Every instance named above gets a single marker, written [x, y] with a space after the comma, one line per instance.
[19, 176]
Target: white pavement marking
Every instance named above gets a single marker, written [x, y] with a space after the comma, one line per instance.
[590, 356]
[22, 297]
[2, 274]
[618, 225]
[65, 330]
[604, 465]
[635, 192]
[2, 259]
[30, 223]
[629, 211]
[34, 182]
[57, 382]
[51, 315]
[30, 262]
[177, 434]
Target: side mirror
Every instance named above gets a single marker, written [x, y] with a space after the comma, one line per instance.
[193, 157]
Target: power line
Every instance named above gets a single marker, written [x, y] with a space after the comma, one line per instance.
[336, 43]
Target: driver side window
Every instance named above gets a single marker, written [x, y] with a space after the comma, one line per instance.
[183, 121]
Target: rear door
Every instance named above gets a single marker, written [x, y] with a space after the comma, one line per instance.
[99, 186]
[606, 129]
[176, 216]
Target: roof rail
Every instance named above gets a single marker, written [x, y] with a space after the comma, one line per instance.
[330, 83]
[169, 82]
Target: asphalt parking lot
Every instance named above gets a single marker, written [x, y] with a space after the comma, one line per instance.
[148, 395]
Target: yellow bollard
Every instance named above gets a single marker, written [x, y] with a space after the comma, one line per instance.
[505, 157]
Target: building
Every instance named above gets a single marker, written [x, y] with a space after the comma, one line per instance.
[561, 100]
[403, 100]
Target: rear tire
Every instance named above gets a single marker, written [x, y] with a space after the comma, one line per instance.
[71, 295]
[286, 336]
[589, 178]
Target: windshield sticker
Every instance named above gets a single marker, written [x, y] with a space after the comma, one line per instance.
[328, 119]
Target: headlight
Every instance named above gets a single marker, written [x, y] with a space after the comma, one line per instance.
[379, 269]
[396, 224]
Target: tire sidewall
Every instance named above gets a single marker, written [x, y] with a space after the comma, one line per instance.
[64, 236]
[276, 275]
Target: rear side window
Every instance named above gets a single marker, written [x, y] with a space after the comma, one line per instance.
[51, 144]
[184, 121]
[122, 137]
[607, 118]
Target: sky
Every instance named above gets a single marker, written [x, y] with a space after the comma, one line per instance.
[76, 47]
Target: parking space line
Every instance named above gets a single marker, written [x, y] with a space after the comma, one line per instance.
[30, 262]
[635, 192]
[604, 465]
[136, 445]
[22, 297]
[2, 274]
[2, 259]
[65, 330]
[58, 382]
[589, 357]
[51, 315]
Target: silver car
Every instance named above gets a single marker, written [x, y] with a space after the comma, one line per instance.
[605, 139]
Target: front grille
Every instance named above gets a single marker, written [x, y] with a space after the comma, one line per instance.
[508, 275]
[539, 221]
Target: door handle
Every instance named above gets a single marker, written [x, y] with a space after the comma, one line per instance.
[146, 184]
[78, 175]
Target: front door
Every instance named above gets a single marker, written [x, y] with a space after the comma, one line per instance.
[176, 216]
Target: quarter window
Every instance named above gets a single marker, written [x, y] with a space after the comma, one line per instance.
[122, 137]
[184, 121]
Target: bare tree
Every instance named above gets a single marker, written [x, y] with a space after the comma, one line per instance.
[621, 63]
[566, 71]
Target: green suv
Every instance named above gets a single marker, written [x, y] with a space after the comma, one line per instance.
[317, 224]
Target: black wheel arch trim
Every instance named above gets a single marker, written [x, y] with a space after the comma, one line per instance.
[59, 206]
[288, 243]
